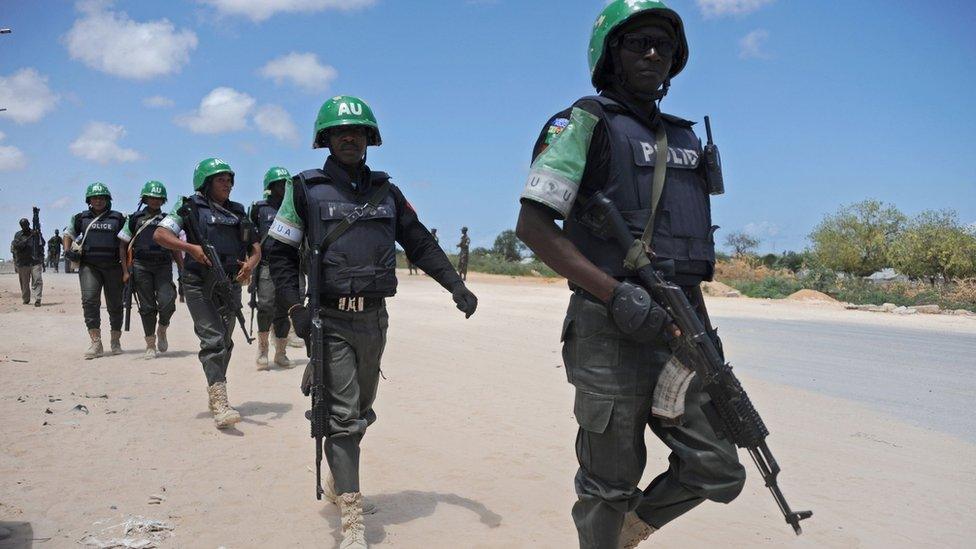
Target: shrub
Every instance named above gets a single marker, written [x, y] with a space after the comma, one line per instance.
[857, 239]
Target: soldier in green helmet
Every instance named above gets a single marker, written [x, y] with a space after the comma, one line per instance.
[464, 250]
[91, 241]
[151, 267]
[357, 274]
[225, 226]
[262, 216]
[615, 338]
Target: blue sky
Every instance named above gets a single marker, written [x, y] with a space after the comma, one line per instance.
[814, 104]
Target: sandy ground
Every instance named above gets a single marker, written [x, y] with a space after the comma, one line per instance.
[473, 447]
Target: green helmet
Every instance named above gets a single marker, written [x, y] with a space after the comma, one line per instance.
[618, 13]
[97, 189]
[207, 168]
[153, 189]
[345, 110]
[276, 173]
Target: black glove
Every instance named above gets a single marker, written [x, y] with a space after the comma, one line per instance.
[465, 300]
[301, 320]
[635, 314]
[72, 255]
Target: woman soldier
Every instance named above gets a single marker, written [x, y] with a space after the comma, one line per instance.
[91, 241]
[150, 266]
[224, 225]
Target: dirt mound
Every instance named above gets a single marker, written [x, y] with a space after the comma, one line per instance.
[719, 289]
[811, 295]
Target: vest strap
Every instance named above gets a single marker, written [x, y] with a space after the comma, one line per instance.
[374, 200]
[639, 253]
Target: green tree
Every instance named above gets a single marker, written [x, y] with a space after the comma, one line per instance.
[857, 239]
[508, 246]
[741, 243]
[935, 245]
[791, 260]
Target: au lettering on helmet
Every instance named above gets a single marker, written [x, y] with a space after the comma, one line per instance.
[350, 108]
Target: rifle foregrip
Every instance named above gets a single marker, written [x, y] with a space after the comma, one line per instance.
[320, 414]
[741, 418]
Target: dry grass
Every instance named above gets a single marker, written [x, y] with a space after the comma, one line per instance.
[747, 270]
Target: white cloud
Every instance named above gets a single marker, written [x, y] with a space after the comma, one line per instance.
[99, 143]
[11, 158]
[752, 45]
[222, 110]
[302, 70]
[111, 42]
[26, 96]
[61, 203]
[274, 120]
[762, 229]
[259, 10]
[719, 8]
[158, 102]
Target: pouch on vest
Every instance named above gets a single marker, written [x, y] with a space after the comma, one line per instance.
[364, 258]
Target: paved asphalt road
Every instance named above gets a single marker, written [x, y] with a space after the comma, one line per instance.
[926, 377]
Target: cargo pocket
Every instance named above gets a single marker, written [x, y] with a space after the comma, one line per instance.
[569, 347]
[592, 411]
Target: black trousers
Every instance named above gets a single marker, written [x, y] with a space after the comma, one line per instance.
[96, 278]
[615, 378]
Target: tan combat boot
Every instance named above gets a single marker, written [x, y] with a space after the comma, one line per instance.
[353, 530]
[262, 360]
[161, 342]
[280, 358]
[224, 416]
[95, 350]
[151, 352]
[329, 492]
[116, 342]
[634, 531]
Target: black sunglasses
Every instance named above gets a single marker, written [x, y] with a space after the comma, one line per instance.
[641, 43]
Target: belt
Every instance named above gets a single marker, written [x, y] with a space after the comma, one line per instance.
[354, 304]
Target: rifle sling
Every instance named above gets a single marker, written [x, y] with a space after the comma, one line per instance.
[638, 254]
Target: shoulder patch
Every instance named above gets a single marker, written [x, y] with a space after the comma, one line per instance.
[555, 129]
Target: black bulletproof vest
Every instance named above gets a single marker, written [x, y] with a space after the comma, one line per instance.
[683, 226]
[102, 243]
[144, 248]
[363, 260]
[264, 213]
[223, 227]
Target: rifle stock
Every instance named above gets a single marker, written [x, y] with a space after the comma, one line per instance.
[735, 418]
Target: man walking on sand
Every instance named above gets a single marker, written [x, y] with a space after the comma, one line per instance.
[357, 274]
[615, 338]
[28, 262]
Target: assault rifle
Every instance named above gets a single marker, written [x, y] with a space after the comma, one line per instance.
[735, 417]
[253, 290]
[319, 414]
[223, 288]
[128, 289]
[37, 246]
[179, 284]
